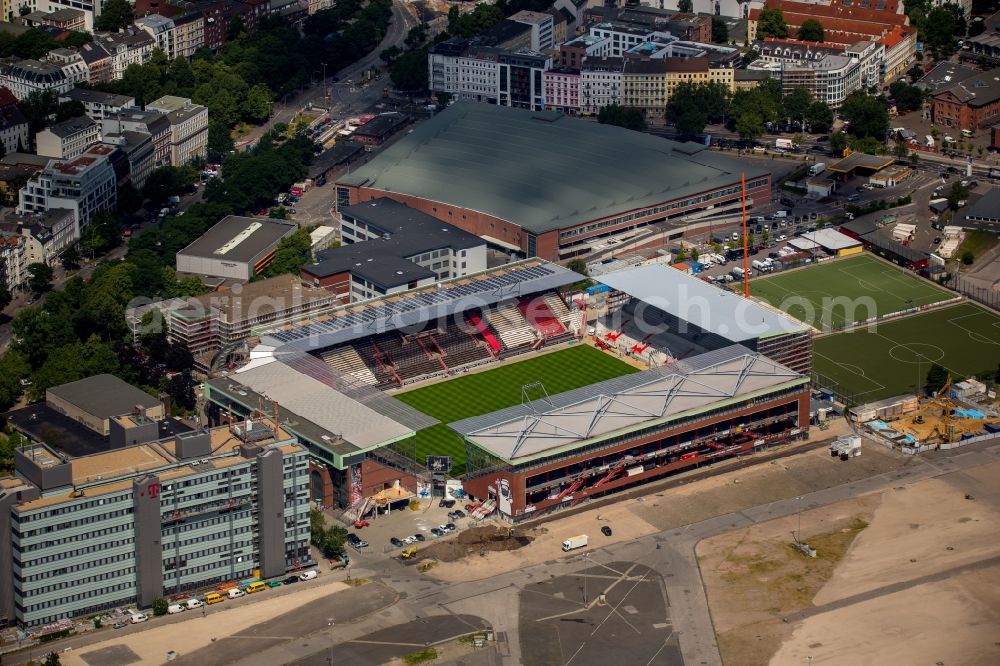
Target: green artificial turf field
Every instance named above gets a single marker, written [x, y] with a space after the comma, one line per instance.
[485, 392]
[845, 291]
[895, 357]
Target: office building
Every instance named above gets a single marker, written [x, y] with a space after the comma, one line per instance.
[85, 184]
[188, 127]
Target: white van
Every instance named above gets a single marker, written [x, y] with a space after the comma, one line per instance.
[136, 617]
[194, 603]
[173, 609]
[236, 593]
[308, 575]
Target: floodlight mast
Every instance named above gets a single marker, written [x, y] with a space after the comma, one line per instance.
[746, 250]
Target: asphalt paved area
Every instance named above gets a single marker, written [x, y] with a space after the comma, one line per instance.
[307, 625]
[116, 655]
[615, 613]
[384, 645]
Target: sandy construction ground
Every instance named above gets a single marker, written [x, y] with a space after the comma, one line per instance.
[152, 645]
[548, 544]
[910, 575]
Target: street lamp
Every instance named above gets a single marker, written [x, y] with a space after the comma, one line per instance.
[798, 531]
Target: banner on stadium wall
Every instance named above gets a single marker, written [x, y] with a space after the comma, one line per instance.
[357, 492]
[423, 489]
[505, 497]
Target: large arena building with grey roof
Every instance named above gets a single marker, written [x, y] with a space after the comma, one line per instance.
[543, 184]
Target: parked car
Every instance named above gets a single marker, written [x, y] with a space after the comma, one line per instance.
[395, 542]
[290, 580]
[356, 541]
[605, 530]
[437, 531]
[457, 513]
[120, 625]
[449, 527]
[446, 503]
[358, 524]
[937, 240]
[409, 540]
[419, 537]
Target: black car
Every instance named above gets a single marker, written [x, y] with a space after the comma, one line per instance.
[937, 240]
[450, 527]
[395, 542]
[446, 503]
[457, 513]
[437, 531]
[352, 538]
[290, 580]
[605, 530]
[953, 169]
[418, 537]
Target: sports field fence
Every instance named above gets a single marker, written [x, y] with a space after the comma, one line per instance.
[986, 296]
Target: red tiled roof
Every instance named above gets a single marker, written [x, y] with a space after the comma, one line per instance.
[6, 97]
[833, 11]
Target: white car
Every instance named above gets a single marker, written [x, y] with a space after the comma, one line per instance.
[194, 603]
[173, 609]
[408, 540]
[136, 617]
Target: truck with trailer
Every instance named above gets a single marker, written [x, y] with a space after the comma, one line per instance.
[575, 542]
[817, 169]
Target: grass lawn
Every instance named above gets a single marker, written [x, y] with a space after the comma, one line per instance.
[484, 392]
[976, 242]
[895, 357]
[845, 291]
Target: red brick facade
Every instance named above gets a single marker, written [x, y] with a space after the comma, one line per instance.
[486, 486]
[547, 244]
[947, 110]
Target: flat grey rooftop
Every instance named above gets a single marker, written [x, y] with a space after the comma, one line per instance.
[243, 239]
[540, 170]
[103, 396]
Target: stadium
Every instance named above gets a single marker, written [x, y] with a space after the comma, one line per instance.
[494, 379]
[547, 185]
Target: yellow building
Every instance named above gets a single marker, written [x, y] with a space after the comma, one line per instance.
[649, 84]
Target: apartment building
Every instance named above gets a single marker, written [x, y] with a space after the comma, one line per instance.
[98, 105]
[64, 19]
[47, 234]
[542, 27]
[189, 34]
[223, 320]
[13, 124]
[623, 37]
[649, 84]
[970, 104]
[162, 30]
[830, 80]
[85, 184]
[23, 77]
[98, 62]
[871, 60]
[521, 84]
[13, 260]
[573, 52]
[562, 90]
[153, 123]
[469, 71]
[600, 83]
[390, 248]
[151, 519]
[129, 47]
[69, 138]
[188, 127]
[72, 64]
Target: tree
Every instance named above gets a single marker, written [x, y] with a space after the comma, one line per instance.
[160, 606]
[5, 298]
[390, 54]
[685, 6]
[811, 30]
[627, 117]
[578, 266]
[70, 257]
[907, 97]
[168, 181]
[292, 254]
[937, 377]
[180, 388]
[41, 275]
[900, 150]
[693, 105]
[720, 31]
[868, 115]
[797, 103]
[52, 659]
[257, 105]
[771, 23]
[968, 258]
[115, 15]
[409, 71]
[957, 194]
[749, 125]
[70, 109]
[838, 141]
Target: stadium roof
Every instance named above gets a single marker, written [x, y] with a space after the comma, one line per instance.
[345, 424]
[548, 426]
[541, 171]
[706, 306]
[388, 313]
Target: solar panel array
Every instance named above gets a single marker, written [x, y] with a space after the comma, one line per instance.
[420, 307]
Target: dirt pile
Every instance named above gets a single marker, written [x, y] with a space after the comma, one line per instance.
[476, 540]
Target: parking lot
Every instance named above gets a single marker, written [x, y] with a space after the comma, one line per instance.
[409, 527]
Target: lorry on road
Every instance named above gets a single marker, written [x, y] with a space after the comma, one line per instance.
[572, 543]
[929, 141]
[787, 144]
[846, 447]
[817, 169]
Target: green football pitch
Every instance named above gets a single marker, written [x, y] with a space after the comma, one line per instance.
[893, 359]
[485, 392]
[845, 291]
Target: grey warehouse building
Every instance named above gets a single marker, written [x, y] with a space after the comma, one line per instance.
[82, 535]
[237, 248]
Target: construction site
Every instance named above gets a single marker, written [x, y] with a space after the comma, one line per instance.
[954, 413]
